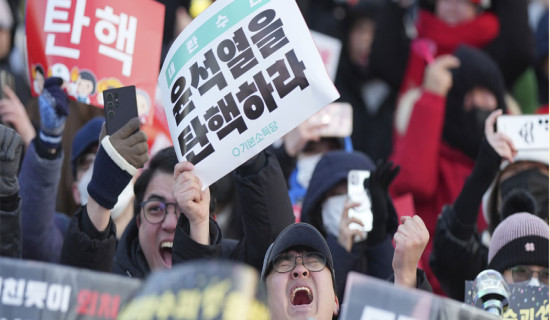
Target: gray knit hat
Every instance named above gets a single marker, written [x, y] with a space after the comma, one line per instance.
[520, 239]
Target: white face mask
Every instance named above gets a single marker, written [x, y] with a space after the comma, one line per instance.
[332, 210]
[124, 198]
[82, 185]
[534, 282]
[305, 167]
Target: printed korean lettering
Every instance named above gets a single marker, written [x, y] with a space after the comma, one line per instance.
[192, 45]
[199, 73]
[269, 36]
[12, 293]
[227, 49]
[189, 303]
[61, 25]
[35, 295]
[259, 138]
[266, 131]
[273, 126]
[231, 117]
[281, 82]
[254, 104]
[122, 29]
[58, 297]
[251, 142]
[222, 21]
[180, 97]
[194, 134]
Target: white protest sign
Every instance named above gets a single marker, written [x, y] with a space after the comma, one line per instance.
[239, 77]
[329, 49]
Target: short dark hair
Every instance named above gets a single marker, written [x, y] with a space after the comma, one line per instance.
[87, 75]
[164, 161]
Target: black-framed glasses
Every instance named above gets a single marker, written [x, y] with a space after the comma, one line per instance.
[313, 261]
[155, 210]
[524, 273]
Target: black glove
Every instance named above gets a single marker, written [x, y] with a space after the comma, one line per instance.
[11, 147]
[378, 184]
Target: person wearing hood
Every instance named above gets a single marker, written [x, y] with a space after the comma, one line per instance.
[500, 28]
[172, 221]
[299, 270]
[372, 98]
[43, 228]
[326, 206]
[439, 129]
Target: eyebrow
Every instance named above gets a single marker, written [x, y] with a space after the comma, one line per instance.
[156, 197]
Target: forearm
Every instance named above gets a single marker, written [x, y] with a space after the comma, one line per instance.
[39, 179]
[468, 201]
[265, 205]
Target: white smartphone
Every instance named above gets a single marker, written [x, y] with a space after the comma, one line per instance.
[358, 193]
[528, 132]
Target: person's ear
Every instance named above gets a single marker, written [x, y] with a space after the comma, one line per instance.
[138, 219]
[336, 306]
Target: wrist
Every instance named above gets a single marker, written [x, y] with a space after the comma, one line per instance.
[200, 231]
[108, 180]
[406, 279]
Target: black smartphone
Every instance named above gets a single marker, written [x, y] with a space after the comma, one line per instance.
[120, 106]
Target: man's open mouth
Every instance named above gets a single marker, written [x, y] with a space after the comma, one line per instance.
[301, 296]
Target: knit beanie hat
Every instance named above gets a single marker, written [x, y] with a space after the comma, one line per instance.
[520, 239]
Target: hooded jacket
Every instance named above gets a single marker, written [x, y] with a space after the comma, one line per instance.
[374, 260]
[437, 145]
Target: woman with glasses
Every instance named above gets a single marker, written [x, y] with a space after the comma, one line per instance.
[172, 221]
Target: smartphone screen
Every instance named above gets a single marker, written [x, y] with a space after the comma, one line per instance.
[358, 193]
[120, 105]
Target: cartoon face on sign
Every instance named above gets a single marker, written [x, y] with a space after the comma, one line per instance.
[85, 86]
[104, 84]
[38, 79]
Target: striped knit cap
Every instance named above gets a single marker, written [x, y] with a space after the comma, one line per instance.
[520, 239]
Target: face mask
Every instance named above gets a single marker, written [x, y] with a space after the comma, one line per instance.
[305, 167]
[82, 185]
[533, 181]
[332, 213]
[534, 282]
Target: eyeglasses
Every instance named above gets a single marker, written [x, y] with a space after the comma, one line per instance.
[313, 261]
[524, 273]
[155, 211]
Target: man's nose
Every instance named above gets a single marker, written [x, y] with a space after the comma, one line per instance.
[300, 270]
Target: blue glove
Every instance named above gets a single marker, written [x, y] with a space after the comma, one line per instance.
[54, 109]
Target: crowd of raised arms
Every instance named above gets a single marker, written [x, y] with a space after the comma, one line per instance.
[427, 81]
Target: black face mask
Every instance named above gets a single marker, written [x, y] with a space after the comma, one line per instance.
[466, 134]
[534, 182]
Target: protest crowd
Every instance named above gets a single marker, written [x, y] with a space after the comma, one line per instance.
[448, 194]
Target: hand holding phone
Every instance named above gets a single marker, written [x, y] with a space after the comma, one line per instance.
[358, 193]
[120, 105]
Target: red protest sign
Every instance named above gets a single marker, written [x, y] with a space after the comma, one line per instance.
[96, 45]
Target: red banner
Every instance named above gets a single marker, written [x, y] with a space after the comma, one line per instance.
[96, 45]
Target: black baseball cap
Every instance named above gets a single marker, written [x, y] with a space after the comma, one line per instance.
[298, 235]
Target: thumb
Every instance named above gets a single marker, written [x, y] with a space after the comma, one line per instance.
[448, 61]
